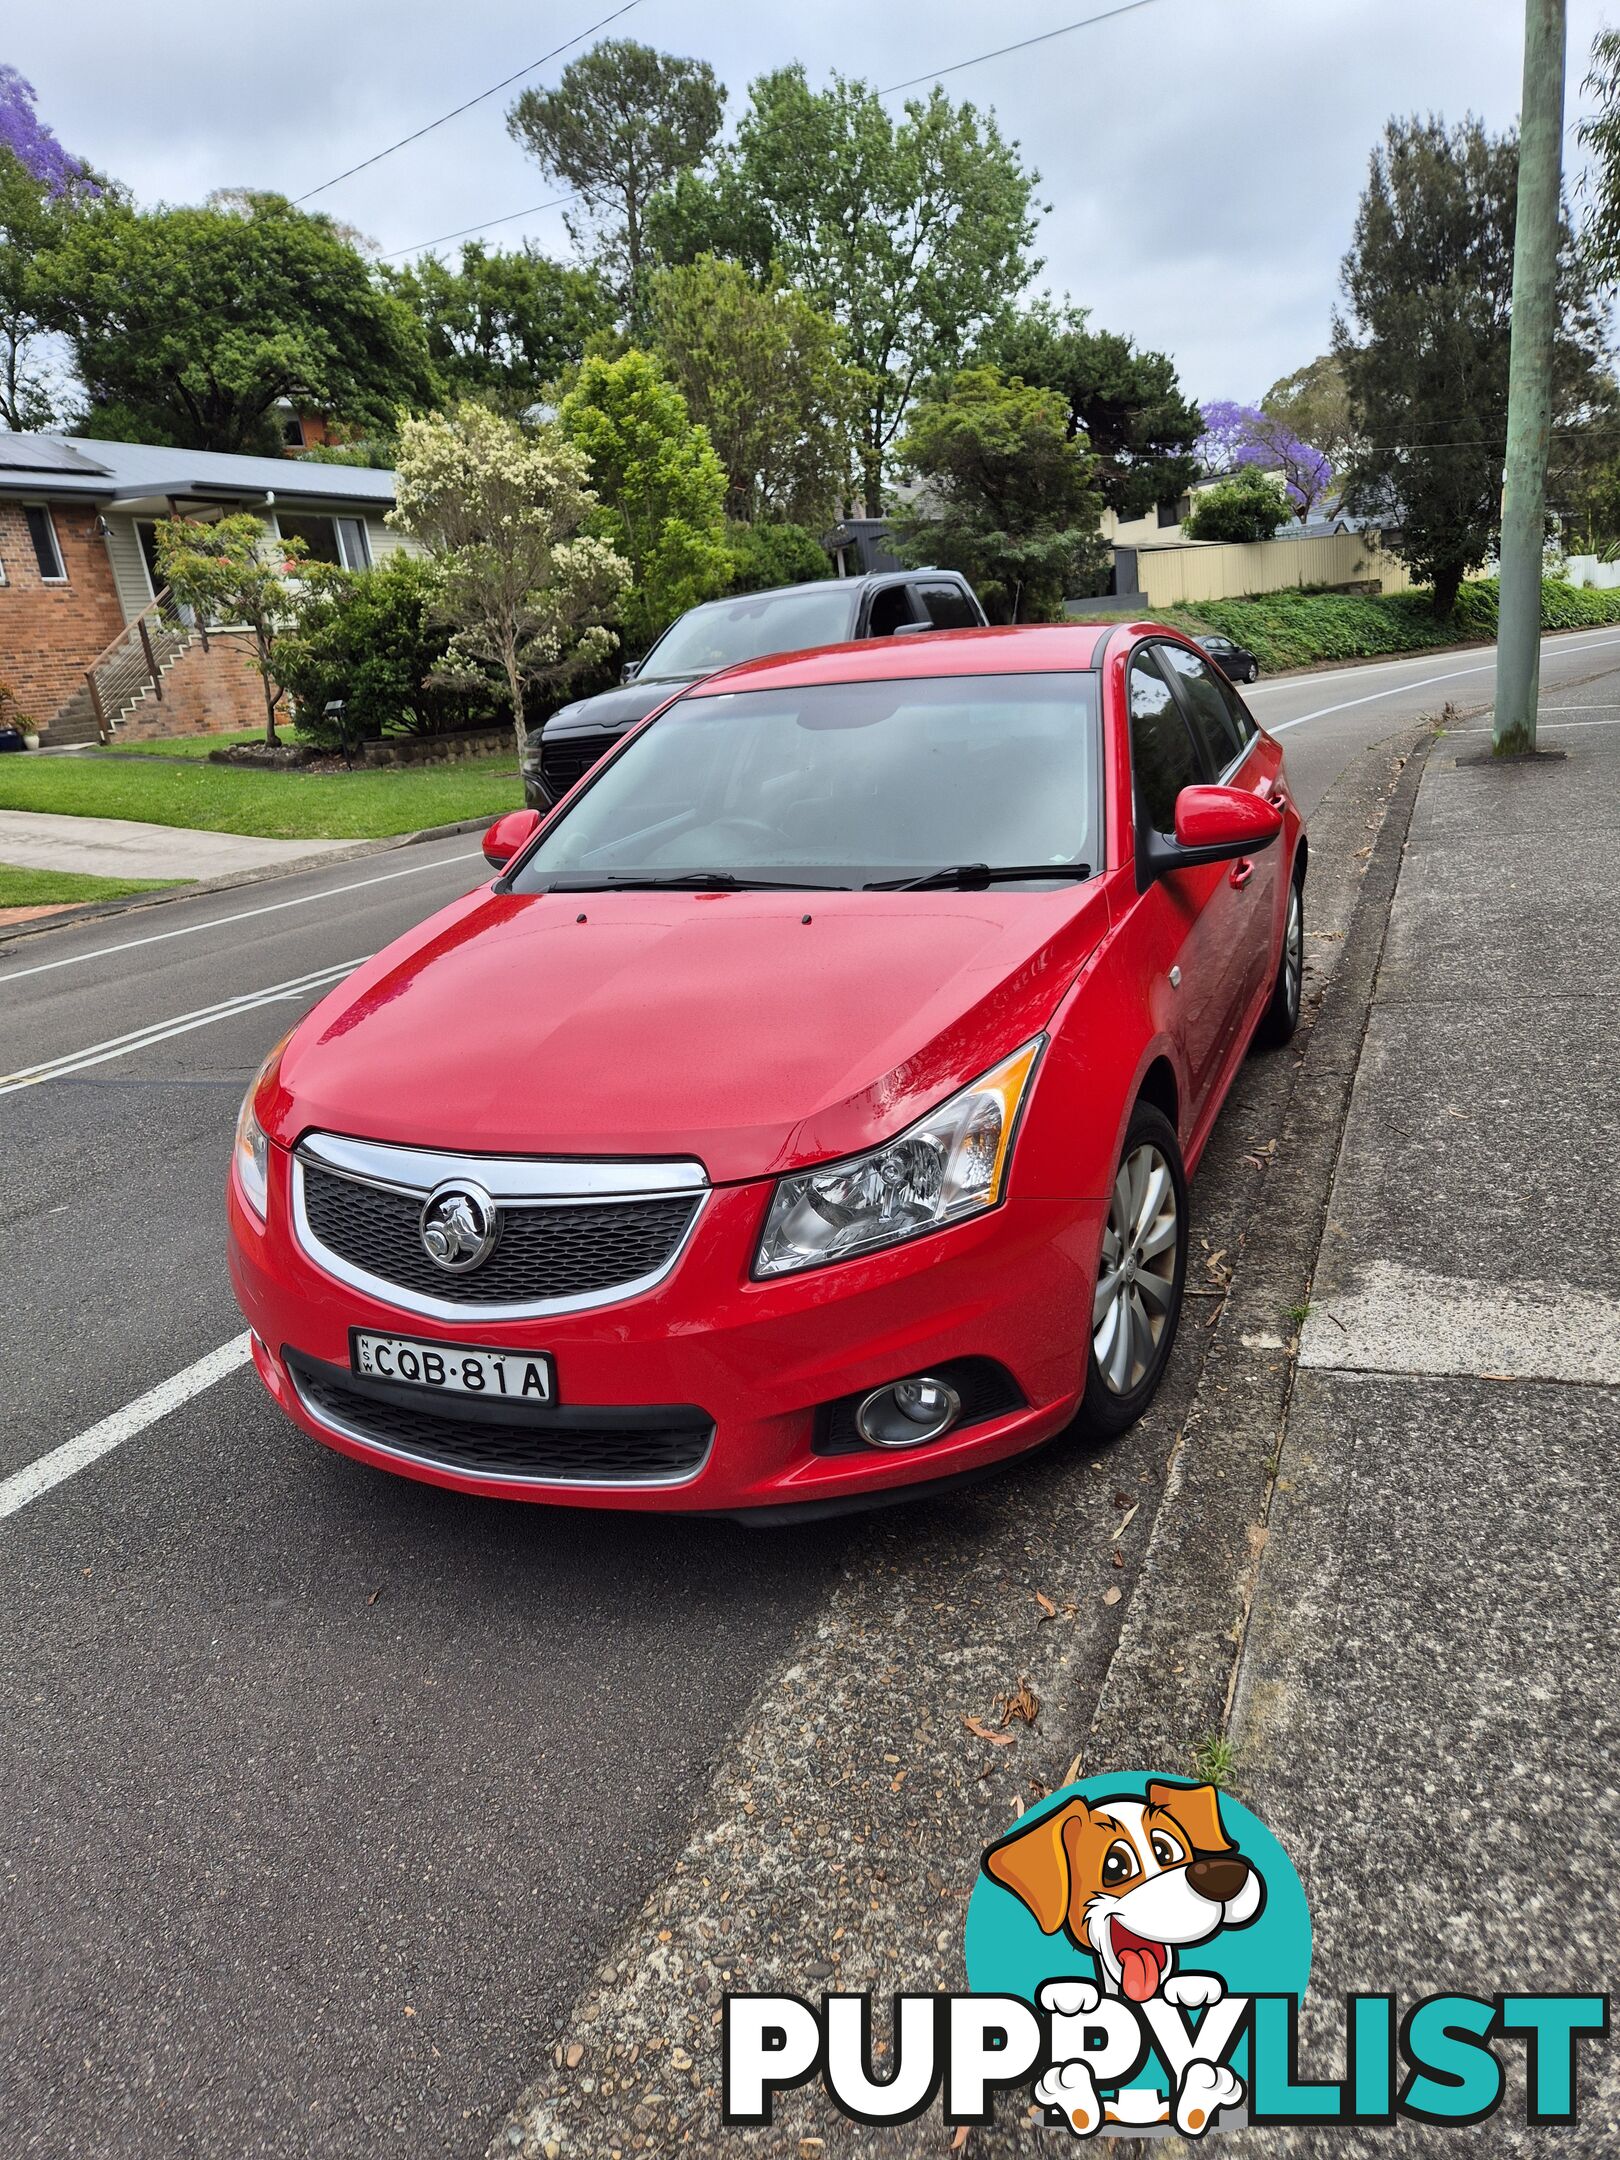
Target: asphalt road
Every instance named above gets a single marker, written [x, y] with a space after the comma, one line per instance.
[320, 1791]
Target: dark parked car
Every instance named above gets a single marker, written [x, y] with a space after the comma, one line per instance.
[748, 626]
[1235, 662]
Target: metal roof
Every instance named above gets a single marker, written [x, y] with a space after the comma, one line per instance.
[73, 465]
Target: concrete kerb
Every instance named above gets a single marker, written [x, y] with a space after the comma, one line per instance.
[1168, 1688]
[334, 858]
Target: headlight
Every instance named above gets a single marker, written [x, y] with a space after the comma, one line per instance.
[251, 1152]
[948, 1166]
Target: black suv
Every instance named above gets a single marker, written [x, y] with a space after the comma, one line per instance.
[748, 626]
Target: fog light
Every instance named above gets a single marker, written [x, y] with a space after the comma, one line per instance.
[908, 1413]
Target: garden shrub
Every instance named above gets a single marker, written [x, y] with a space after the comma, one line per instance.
[370, 637]
[774, 554]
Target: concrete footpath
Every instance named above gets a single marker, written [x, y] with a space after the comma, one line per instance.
[126, 848]
[1427, 1704]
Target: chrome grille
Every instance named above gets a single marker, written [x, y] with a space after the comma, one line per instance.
[569, 1234]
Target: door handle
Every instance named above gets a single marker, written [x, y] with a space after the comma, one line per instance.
[1242, 871]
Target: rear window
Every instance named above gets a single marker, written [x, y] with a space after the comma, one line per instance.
[845, 784]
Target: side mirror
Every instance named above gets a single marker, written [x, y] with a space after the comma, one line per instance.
[910, 629]
[1213, 824]
[509, 835]
[630, 670]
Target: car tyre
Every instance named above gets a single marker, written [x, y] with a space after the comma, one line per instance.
[1281, 1016]
[1141, 1273]
[1254, 672]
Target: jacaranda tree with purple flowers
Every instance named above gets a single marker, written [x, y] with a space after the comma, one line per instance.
[1238, 435]
[41, 189]
[30, 141]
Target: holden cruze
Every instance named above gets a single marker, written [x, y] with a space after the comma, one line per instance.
[804, 1114]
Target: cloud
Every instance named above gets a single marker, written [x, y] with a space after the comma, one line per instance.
[1203, 158]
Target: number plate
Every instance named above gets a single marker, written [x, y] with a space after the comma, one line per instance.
[519, 1376]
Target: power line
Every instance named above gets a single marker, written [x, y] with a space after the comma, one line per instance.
[419, 246]
[504, 84]
[1128, 7]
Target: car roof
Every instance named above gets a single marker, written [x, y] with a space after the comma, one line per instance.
[855, 583]
[1011, 649]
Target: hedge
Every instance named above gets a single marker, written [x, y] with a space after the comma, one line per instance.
[1295, 629]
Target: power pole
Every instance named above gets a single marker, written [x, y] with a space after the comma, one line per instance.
[1535, 317]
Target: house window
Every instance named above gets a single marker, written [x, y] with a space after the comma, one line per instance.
[292, 432]
[46, 552]
[340, 541]
[353, 545]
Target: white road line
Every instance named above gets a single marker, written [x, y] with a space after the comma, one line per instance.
[223, 922]
[1279, 727]
[1551, 725]
[75, 1455]
[1552, 644]
[181, 1024]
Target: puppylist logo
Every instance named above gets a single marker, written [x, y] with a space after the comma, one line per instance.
[1137, 1951]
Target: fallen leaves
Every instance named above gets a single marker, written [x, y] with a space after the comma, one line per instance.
[981, 1731]
[1048, 1609]
[1112, 1596]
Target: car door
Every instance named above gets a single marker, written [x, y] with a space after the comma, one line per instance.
[889, 607]
[949, 605]
[1247, 898]
[1180, 935]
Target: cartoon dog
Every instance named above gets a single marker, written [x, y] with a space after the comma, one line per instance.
[1133, 1881]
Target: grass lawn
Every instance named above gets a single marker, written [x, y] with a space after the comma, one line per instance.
[280, 806]
[58, 888]
[180, 745]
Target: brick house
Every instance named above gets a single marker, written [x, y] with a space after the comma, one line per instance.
[88, 642]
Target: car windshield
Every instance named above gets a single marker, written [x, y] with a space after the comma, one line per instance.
[843, 784]
[751, 626]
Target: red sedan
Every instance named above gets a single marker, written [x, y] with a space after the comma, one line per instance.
[805, 1113]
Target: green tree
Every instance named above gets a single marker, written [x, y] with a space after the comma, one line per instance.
[763, 370]
[189, 325]
[660, 487]
[527, 589]
[503, 326]
[234, 572]
[767, 555]
[32, 222]
[1009, 496]
[376, 639]
[623, 121]
[1314, 405]
[1428, 286]
[1128, 405]
[912, 232]
[1600, 133]
[1247, 505]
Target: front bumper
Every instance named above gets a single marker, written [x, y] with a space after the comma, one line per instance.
[752, 1363]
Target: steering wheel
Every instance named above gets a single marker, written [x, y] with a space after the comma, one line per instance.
[747, 828]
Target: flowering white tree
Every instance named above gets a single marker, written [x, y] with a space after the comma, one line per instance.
[503, 508]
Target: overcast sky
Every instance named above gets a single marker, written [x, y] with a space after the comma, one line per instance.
[1202, 158]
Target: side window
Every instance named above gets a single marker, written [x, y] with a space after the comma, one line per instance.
[948, 607]
[891, 606]
[46, 552]
[1213, 719]
[1162, 754]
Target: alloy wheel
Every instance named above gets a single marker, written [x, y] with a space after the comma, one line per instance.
[1293, 953]
[1136, 1281]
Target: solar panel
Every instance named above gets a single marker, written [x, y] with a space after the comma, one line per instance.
[43, 454]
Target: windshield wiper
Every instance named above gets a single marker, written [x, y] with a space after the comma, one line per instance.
[689, 881]
[973, 876]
